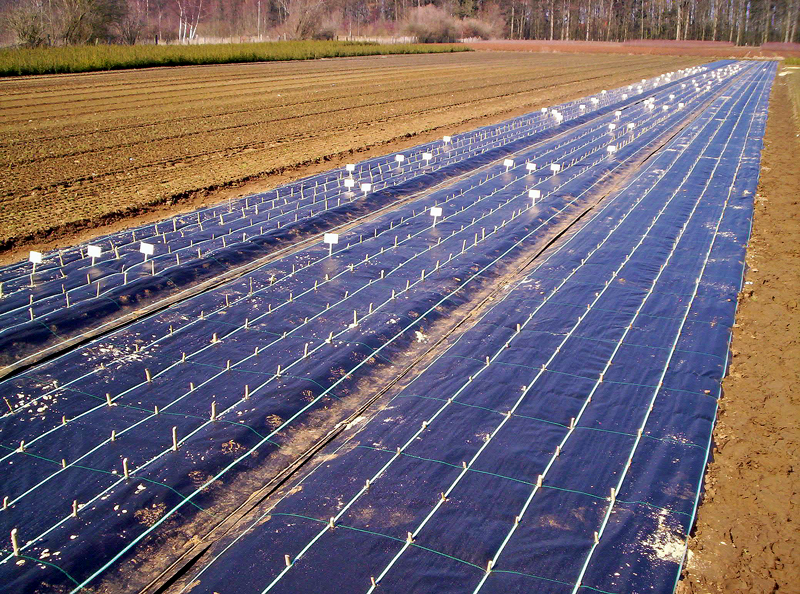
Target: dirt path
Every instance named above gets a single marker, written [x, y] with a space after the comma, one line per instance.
[747, 537]
[87, 154]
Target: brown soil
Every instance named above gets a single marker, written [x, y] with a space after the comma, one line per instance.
[88, 154]
[709, 49]
[748, 529]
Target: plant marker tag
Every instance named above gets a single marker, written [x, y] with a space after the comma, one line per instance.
[534, 195]
[631, 126]
[366, 187]
[399, 158]
[508, 164]
[147, 249]
[446, 139]
[617, 114]
[544, 110]
[94, 251]
[34, 258]
[555, 167]
[330, 239]
[612, 127]
[436, 212]
[349, 182]
[530, 166]
[427, 156]
[581, 107]
[611, 148]
[350, 167]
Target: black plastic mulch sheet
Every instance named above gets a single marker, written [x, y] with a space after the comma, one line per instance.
[214, 387]
[559, 445]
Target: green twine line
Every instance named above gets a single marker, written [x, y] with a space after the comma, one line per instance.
[298, 336]
[100, 470]
[46, 327]
[516, 480]
[353, 528]
[597, 590]
[538, 577]
[35, 560]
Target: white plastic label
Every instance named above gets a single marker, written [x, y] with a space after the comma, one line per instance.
[508, 163]
[147, 248]
[427, 156]
[436, 211]
[349, 182]
[331, 238]
[446, 139]
[535, 194]
[555, 167]
[366, 187]
[35, 257]
[350, 167]
[611, 148]
[530, 166]
[399, 158]
[94, 251]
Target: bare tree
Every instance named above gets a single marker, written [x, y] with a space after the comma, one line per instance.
[133, 23]
[189, 12]
[27, 22]
[82, 21]
[303, 18]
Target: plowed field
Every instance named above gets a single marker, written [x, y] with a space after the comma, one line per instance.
[96, 150]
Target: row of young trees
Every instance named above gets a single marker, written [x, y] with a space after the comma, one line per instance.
[41, 22]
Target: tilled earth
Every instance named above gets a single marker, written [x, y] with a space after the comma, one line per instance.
[103, 149]
[747, 537]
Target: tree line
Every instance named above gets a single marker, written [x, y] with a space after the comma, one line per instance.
[67, 22]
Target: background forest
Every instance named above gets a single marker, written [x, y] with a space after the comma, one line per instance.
[34, 23]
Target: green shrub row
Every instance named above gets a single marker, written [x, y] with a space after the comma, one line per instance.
[58, 60]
